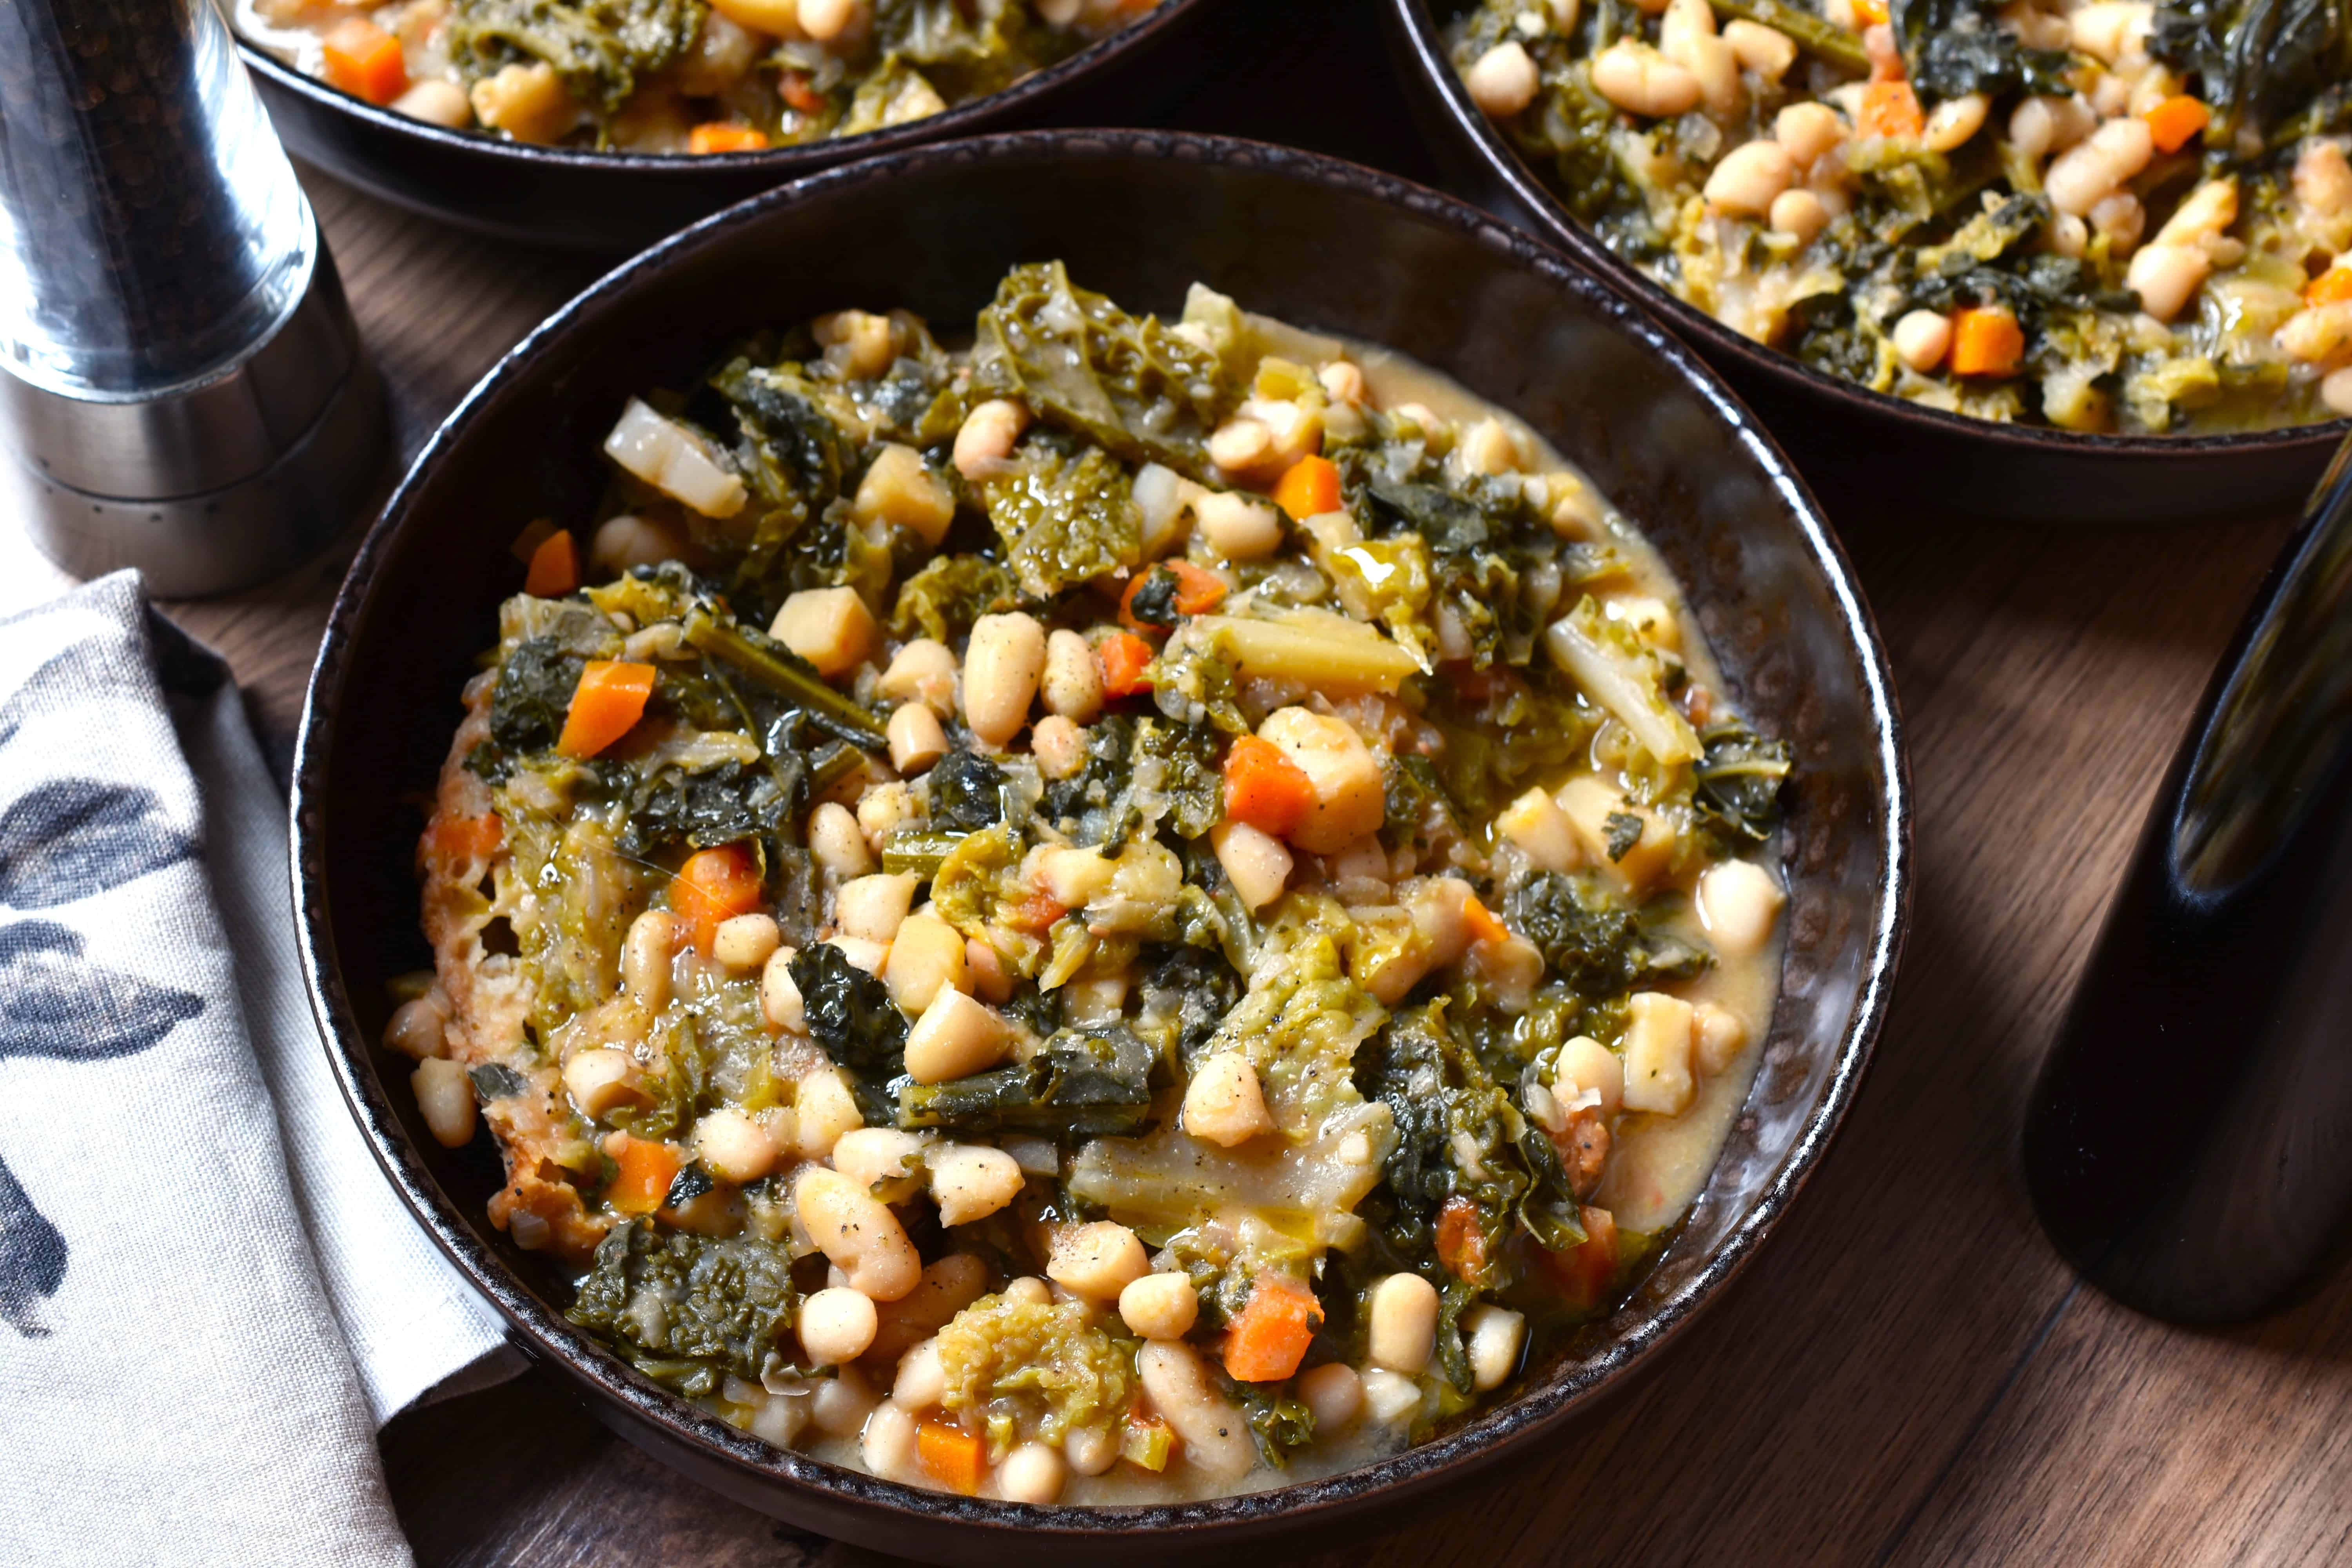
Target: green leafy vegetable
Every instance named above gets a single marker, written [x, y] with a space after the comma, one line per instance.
[2257, 62]
[534, 694]
[1956, 46]
[495, 1081]
[952, 592]
[783, 672]
[1736, 785]
[850, 1014]
[967, 793]
[1082, 1082]
[1588, 938]
[602, 49]
[1065, 516]
[689, 1310]
[1081, 363]
[1619, 831]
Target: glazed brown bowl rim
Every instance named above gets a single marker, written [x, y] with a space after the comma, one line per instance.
[1039, 88]
[1476, 1441]
[1417, 25]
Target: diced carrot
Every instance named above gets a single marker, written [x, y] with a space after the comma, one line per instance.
[1484, 926]
[2332, 286]
[555, 567]
[1462, 1240]
[1891, 109]
[467, 837]
[1985, 340]
[1269, 1336]
[1584, 1273]
[1265, 788]
[794, 89]
[1309, 488]
[1198, 591]
[1869, 13]
[366, 61]
[950, 1455]
[720, 137]
[607, 704]
[715, 885]
[1125, 660]
[2174, 121]
[1038, 912]
[647, 1167]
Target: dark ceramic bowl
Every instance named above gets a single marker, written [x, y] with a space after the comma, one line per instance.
[620, 201]
[1139, 215]
[1944, 462]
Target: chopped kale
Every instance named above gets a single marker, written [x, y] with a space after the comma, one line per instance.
[1154, 602]
[943, 599]
[1420, 815]
[1064, 515]
[967, 793]
[495, 1081]
[1737, 784]
[2257, 62]
[691, 1183]
[534, 694]
[1588, 938]
[850, 1014]
[718, 805]
[689, 1310]
[1178, 765]
[602, 49]
[1084, 364]
[1082, 1082]
[1191, 989]
[1956, 46]
[1619, 831]
[1279, 1422]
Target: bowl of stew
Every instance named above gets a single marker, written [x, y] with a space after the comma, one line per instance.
[605, 127]
[1058, 894]
[2066, 261]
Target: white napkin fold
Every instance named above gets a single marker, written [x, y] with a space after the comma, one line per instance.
[209, 1295]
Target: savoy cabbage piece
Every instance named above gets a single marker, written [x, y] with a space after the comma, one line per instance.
[690, 1310]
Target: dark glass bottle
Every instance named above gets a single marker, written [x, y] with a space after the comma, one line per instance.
[2188, 1142]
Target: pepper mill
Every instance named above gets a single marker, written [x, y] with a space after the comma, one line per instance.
[2188, 1142]
[184, 391]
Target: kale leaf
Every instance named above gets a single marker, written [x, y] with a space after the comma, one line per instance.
[1589, 939]
[967, 793]
[952, 592]
[1126, 382]
[601, 48]
[2257, 62]
[1619, 831]
[1737, 784]
[850, 1014]
[690, 1310]
[534, 694]
[704, 810]
[1083, 1083]
[1191, 989]
[1278, 1422]
[495, 1081]
[1954, 48]
[1178, 765]
[1065, 516]
[1420, 814]
[1154, 602]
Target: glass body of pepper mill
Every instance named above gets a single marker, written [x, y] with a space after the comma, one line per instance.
[2189, 1141]
[182, 388]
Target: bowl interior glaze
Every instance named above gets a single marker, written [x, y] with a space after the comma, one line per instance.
[1874, 442]
[1139, 216]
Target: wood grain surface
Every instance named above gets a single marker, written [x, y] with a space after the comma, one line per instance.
[1908, 1375]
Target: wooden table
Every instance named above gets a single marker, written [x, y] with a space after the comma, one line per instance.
[1908, 1375]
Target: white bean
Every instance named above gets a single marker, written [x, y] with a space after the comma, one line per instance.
[2085, 173]
[1738, 902]
[2166, 277]
[1389, 1398]
[1334, 1396]
[1097, 1260]
[732, 1146]
[1503, 81]
[1237, 527]
[841, 1404]
[986, 437]
[625, 542]
[1160, 1306]
[1585, 1064]
[887, 1443]
[1402, 1329]
[745, 941]
[1798, 212]
[836, 1324]
[438, 101]
[1640, 80]
[823, 1109]
[971, 1181]
[418, 1029]
[2336, 391]
[922, 1380]
[600, 1079]
[1059, 744]
[1807, 130]
[1090, 1450]
[857, 1232]
[2323, 177]
[1951, 122]
[926, 955]
[1255, 861]
[1494, 1335]
[1922, 338]
[1767, 51]
[1749, 177]
[646, 958]
[1073, 683]
[780, 996]
[1033, 1473]
[1718, 1037]
[838, 842]
[445, 1096]
[1216, 1439]
[1002, 665]
[884, 1161]
[923, 672]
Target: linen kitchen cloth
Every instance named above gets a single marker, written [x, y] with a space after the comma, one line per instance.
[209, 1294]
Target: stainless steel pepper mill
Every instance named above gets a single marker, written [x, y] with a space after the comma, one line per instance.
[183, 389]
